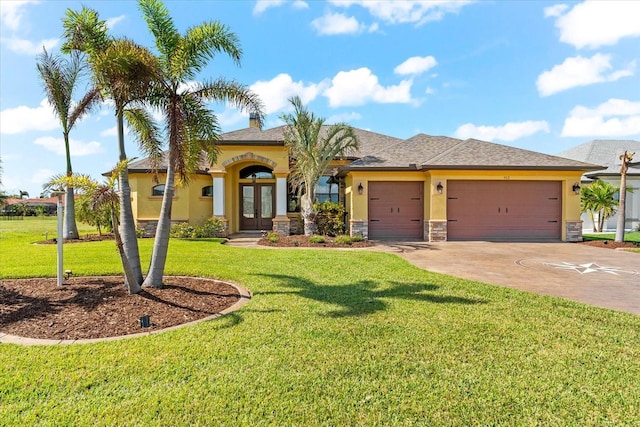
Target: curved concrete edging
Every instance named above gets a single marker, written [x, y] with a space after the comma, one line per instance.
[245, 296]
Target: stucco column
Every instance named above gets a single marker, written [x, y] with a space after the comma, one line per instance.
[281, 223]
[281, 196]
[218, 196]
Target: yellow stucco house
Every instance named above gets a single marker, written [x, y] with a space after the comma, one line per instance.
[430, 188]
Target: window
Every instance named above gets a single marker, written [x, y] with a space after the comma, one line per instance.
[259, 172]
[207, 191]
[327, 190]
[158, 190]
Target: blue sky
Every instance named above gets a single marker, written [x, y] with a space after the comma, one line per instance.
[544, 76]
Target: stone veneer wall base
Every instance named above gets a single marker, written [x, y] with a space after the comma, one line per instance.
[574, 231]
[438, 230]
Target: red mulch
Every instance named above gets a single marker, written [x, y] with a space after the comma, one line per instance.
[609, 244]
[99, 307]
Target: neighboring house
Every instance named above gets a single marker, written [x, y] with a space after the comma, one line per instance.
[607, 153]
[424, 188]
[46, 206]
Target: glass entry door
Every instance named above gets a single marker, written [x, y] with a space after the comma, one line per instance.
[256, 206]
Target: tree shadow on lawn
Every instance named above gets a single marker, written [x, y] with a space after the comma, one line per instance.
[363, 297]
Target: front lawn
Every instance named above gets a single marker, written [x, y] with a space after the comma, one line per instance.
[628, 237]
[329, 338]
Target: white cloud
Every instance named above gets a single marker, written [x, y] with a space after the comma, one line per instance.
[579, 71]
[41, 176]
[337, 23]
[77, 148]
[27, 47]
[112, 22]
[555, 10]
[613, 118]
[416, 65]
[276, 92]
[407, 11]
[24, 119]
[114, 131]
[356, 87]
[429, 90]
[508, 132]
[231, 116]
[263, 5]
[344, 117]
[12, 12]
[593, 24]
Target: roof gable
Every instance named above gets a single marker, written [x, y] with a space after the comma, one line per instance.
[606, 153]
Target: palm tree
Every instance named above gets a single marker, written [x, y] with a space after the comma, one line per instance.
[60, 78]
[313, 146]
[124, 72]
[102, 196]
[625, 158]
[191, 127]
[599, 197]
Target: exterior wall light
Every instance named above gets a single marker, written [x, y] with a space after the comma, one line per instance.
[360, 188]
[576, 188]
[440, 188]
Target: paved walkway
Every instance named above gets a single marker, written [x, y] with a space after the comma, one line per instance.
[601, 277]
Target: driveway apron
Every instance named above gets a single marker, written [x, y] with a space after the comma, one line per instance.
[601, 277]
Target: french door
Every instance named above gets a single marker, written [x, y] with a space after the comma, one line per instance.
[256, 206]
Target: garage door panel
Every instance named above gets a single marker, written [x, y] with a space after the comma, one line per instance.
[395, 210]
[504, 210]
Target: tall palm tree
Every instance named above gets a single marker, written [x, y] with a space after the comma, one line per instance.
[599, 197]
[313, 146]
[191, 127]
[60, 77]
[625, 158]
[124, 71]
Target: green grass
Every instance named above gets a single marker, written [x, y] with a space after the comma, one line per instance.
[329, 338]
[628, 237]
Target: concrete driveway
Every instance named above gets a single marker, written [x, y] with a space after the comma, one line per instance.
[600, 277]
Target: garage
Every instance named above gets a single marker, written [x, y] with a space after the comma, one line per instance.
[504, 210]
[396, 210]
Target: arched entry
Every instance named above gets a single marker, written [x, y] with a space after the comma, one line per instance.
[257, 198]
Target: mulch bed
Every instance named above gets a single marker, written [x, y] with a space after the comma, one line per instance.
[302, 241]
[100, 307]
[609, 244]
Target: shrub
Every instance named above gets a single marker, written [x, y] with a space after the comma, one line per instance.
[316, 239]
[357, 238]
[343, 240]
[212, 227]
[273, 237]
[182, 230]
[330, 218]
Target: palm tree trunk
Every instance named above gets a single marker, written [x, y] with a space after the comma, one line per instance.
[622, 204]
[127, 223]
[133, 286]
[593, 221]
[70, 226]
[161, 241]
[308, 215]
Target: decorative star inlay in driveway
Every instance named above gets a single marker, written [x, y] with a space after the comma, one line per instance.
[590, 267]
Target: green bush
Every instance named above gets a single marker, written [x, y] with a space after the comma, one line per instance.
[330, 218]
[342, 240]
[212, 227]
[273, 237]
[316, 239]
[357, 238]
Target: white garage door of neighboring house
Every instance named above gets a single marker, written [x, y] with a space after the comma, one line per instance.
[396, 210]
[504, 210]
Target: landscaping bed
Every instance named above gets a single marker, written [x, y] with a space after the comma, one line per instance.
[99, 307]
[308, 242]
[610, 244]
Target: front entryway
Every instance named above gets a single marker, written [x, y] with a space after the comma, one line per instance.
[256, 206]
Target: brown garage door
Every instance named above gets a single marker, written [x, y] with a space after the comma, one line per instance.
[504, 210]
[396, 210]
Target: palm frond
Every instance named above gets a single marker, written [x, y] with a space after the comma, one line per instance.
[162, 27]
[147, 133]
[233, 93]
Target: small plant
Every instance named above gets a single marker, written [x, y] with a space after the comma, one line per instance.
[182, 230]
[357, 238]
[343, 239]
[273, 237]
[316, 239]
[212, 227]
[330, 218]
